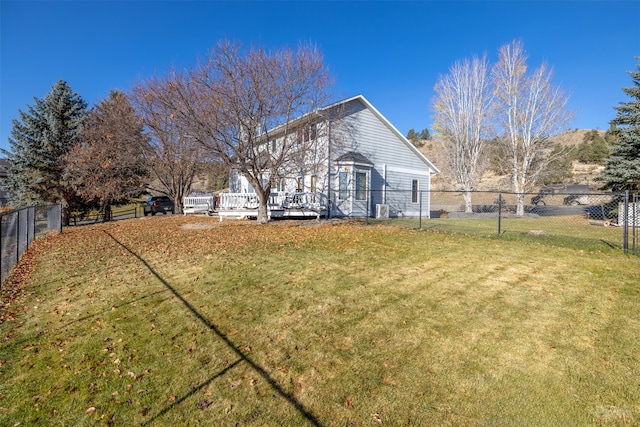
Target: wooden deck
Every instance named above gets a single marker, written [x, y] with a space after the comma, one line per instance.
[281, 205]
[273, 213]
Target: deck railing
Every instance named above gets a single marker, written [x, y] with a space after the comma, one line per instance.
[198, 204]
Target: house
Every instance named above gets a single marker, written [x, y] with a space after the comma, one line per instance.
[358, 165]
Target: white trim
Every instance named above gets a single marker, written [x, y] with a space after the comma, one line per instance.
[417, 181]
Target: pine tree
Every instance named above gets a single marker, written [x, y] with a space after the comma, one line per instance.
[412, 136]
[593, 149]
[39, 141]
[622, 170]
[425, 135]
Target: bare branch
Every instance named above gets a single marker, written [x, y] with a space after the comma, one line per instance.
[462, 109]
[532, 111]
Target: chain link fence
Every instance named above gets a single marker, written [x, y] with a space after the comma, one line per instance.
[19, 227]
[111, 214]
[585, 220]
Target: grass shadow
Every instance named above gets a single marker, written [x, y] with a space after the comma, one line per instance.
[242, 357]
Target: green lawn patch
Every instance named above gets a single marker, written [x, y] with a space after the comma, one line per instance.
[184, 321]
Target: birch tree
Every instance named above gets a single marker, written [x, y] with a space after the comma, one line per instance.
[531, 111]
[253, 110]
[462, 109]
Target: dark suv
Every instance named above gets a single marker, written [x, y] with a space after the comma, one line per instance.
[157, 204]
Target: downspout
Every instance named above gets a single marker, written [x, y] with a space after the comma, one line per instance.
[384, 183]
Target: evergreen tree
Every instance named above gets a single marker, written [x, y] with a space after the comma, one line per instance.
[412, 136]
[39, 142]
[425, 135]
[593, 149]
[610, 134]
[622, 170]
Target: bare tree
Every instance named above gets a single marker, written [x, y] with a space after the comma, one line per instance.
[462, 108]
[531, 111]
[174, 157]
[255, 111]
[107, 165]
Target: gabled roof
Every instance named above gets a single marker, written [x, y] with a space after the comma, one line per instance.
[320, 114]
[388, 124]
[354, 158]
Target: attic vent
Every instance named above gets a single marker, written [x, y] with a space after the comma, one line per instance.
[382, 211]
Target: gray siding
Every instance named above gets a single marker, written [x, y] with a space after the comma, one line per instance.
[393, 158]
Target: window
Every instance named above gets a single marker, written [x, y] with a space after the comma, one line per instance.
[313, 183]
[300, 184]
[343, 192]
[307, 134]
[414, 191]
[361, 186]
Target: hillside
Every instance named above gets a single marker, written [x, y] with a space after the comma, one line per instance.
[582, 173]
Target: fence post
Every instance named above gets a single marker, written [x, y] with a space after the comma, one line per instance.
[634, 223]
[32, 226]
[367, 209]
[499, 214]
[420, 215]
[625, 223]
[18, 236]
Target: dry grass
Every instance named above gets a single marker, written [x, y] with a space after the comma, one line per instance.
[185, 321]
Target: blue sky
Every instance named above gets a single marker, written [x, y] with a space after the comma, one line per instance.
[391, 52]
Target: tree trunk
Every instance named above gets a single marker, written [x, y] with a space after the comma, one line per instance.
[468, 207]
[520, 204]
[263, 198]
[66, 215]
[177, 204]
[106, 213]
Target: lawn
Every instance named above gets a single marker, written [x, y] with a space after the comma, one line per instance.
[177, 320]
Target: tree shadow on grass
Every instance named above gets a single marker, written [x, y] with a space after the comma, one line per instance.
[115, 306]
[242, 357]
